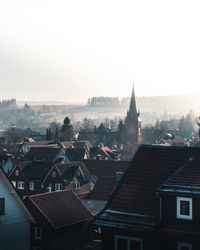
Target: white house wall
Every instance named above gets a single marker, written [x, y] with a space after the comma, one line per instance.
[14, 225]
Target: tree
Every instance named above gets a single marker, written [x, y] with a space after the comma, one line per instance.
[121, 135]
[67, 132]
[101, 128]
[55, 129]
[14, 134]
[187, 125]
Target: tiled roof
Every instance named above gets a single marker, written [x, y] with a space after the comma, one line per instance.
[60, 208]
[185, 180]
[150, 167]
[76, 154]
[9, 147]
[103, 188]
[68, 170]
[37, 170]
[105, 168]
[45, 152]
[77, 144]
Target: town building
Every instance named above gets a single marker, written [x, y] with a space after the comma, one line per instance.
[61, 221]
[156, 203]
[15, 219]
[132, 124]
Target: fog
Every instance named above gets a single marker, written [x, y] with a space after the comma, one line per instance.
[71, 50]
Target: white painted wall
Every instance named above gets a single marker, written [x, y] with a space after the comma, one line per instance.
[14, 225]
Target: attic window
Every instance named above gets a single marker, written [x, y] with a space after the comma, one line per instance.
[184, 208]
[16, 172]
[20, 184]
[76, 185]
[31, 185]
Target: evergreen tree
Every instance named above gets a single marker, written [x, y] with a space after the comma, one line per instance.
[121, 135]
[67, 132]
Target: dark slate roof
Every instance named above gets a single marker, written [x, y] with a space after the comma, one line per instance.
[75, 154]
[103, 188]
[37, 170]
[44, 152]
[185, 180]
[150, 167]
[11, 148]
[77, 144]
[105, 168]
[68, 170]
[38, 143]
[60, 208]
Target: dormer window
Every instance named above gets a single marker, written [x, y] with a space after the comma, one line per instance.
[184, 208]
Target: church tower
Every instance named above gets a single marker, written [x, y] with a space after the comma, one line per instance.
[132, 127]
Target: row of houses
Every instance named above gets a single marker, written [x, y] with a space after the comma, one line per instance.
[49, 204]
[149, 203]
[156, 203]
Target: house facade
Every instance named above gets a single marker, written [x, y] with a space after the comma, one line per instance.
[156, 203]
[15, 219]
[62, 221]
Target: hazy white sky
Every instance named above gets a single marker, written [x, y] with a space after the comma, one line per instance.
[69, 50]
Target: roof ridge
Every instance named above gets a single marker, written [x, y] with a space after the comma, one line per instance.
[48, 193]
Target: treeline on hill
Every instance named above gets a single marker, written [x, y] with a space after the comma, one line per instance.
[109, 101]
[151, 103]
[8, 103]
[23, 117]
[104, 101]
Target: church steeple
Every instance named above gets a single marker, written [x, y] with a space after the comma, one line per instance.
[132, 128]
[132, 112]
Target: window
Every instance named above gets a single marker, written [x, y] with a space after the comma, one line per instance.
[58, 186]
[184, 208]
[20, 184]
[48, 189]
[38, 233]
[76, 185]
[127, 243]
[16, 172]
[2, 206]
[53, 174]
[31, 185]
[183, 246]
[42, 185]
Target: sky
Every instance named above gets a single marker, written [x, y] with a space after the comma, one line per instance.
[66, 50]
